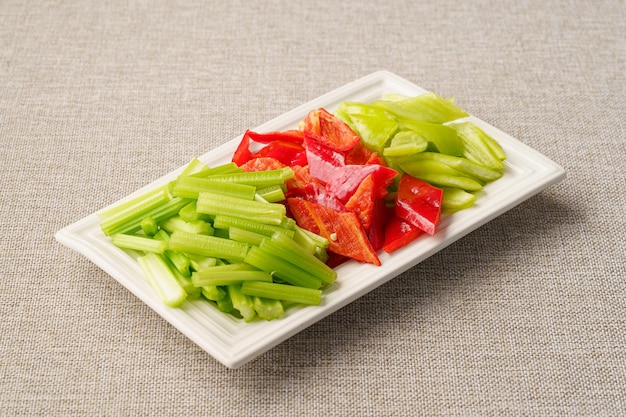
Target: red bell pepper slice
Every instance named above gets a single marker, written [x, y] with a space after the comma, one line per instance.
[346, 180]
[262, 164]
[286, 152]
[327, 129]
[292, 136]
[362, 202]
[399, 233]
[317, 193]
[376, 233]
[361, 155]
[419, 203]
[342, 229]
[242, 153]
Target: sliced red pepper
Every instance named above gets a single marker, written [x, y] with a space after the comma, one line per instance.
[345, 180]
[419, 203]
[376, 233]
[399, 233]
[361, 155]
[362, 202]
[286, 152]
[292, 136]
[262, 164]
[317, 193]
[242, 153]
[342, 229]
[327, 129]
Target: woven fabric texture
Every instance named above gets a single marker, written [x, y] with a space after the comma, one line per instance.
[526, 316]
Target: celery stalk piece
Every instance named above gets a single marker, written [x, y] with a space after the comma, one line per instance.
[268, 309]
[191, 187]
[229, 274]
[158, 213]
[455, 199]
[195, 167]
[176, 223]
[242, 302]
[285, 248]
[475, 147]
[162, 279]
[208, 246]
[227, 168]
[283, 292]
[136, 209]
[256, 178]
[199, 262]
[245, 236]
[405, 143]
[138, 243]
[309, 240]
[225, 222]
[213, 292]
[149, 226]
[464, 165]
[280, 268]
[189, 213]
[214, 204]
[272, 193]
[427, 107]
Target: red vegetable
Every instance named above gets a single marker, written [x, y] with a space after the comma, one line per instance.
[292, 136]
[399, 233]
[419, 203]
[330, 131]
[343, 230]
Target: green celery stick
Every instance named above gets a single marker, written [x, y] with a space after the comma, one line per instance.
[138, 243]
[214, 204]
[283, 292]
[179, 260]
[455, 199]
[158, 213]
[272, 193]
[191, 187]
[225, 304]
[279, 267]
[176, 223]
[229, 274]
[285, 248]
[257, 178]
[213, 292]
[136, 209]
[195, 167]
[199, 262]
[227, 168]
[189, 213]
[245, 236]
[162, 279]
[427, 107]
[208, 246]
[149, 226]
[268, 309]
[242, 302]
[225, 222]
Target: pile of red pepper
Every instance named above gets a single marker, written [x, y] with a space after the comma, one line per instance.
[342, 190]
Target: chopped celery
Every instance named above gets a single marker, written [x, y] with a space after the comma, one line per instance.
[208, 246]
[191, 187]
[138, 243]
[200, 262]
[279, 267]
[229, 274]
[133, 223]
[242, 302]
[149, 226]
[257, 178]
[189, 213]
[225, 222]
[213, 292]
[287, 249]
[176, 223]
[195, 167]
[179, 260]
[283, 292]
[161, 278]
[228, 168]
[272, 193]
[268, 309]
[113, 219]
[245, 236]
[211, 203]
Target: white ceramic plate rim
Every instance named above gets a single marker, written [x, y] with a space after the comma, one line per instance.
[234, 343]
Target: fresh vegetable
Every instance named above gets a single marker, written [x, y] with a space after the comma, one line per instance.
[263, 231]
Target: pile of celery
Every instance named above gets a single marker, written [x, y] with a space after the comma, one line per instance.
[221, 234]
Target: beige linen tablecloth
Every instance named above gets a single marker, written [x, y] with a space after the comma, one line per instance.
[524, 316]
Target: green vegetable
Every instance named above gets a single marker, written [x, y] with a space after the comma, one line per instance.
[160, 276]
[282, 292]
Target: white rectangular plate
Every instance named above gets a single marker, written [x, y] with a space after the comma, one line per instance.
[233, 342]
